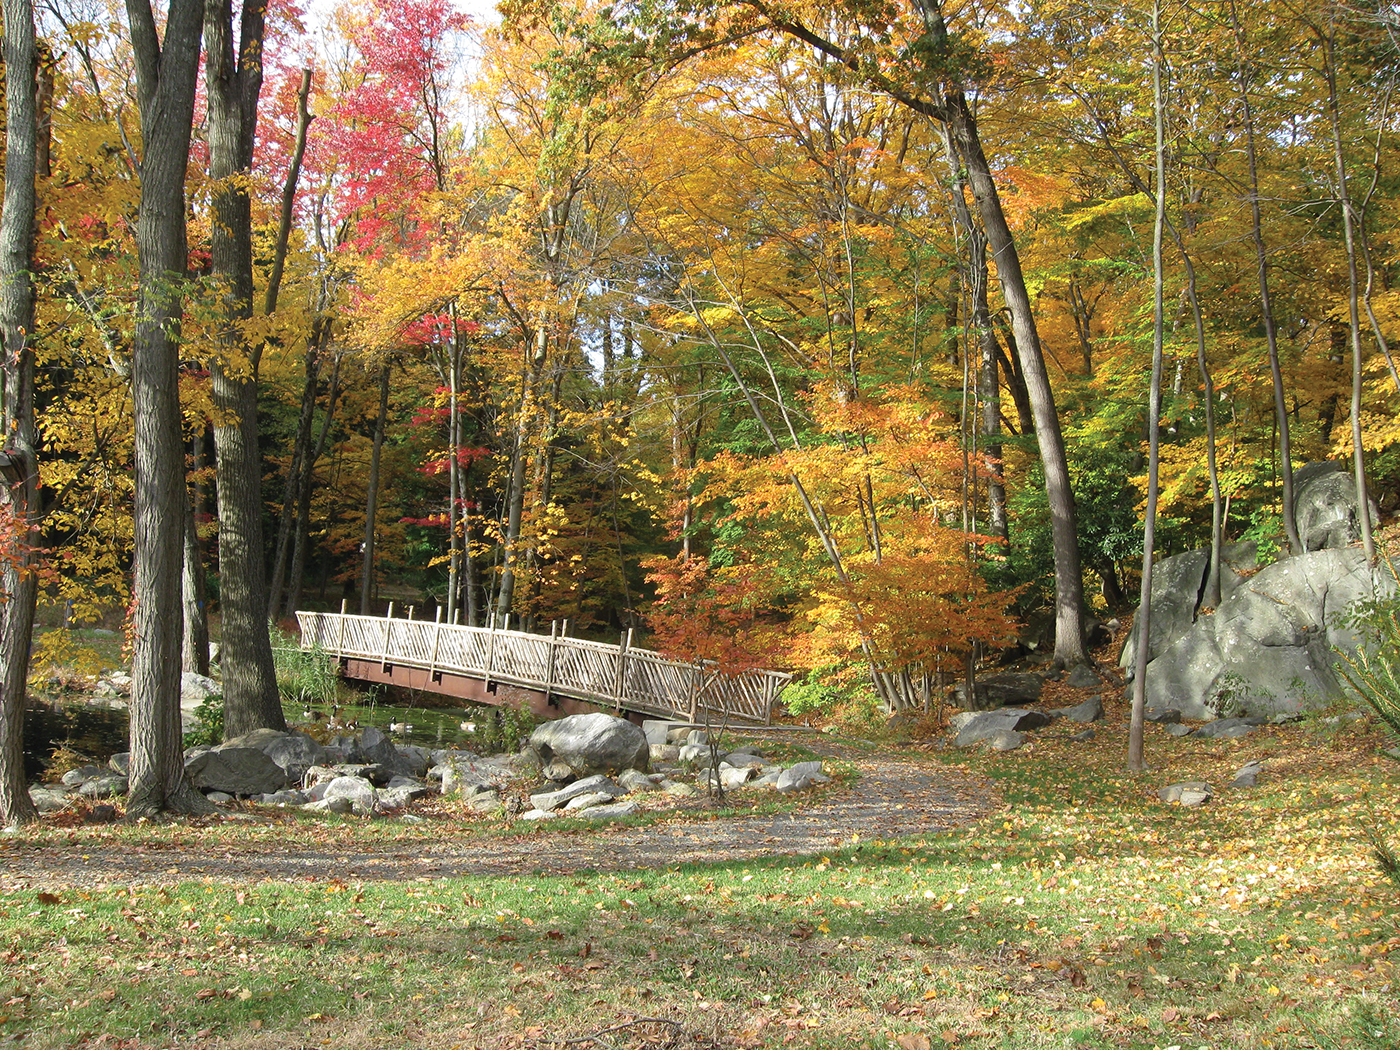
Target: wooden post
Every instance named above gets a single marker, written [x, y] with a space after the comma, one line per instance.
[549, 669]
[620, 686]
[490, 652]
[437, 634]
[697, 680]
[410, 612]
[388, 632]
[340, 636]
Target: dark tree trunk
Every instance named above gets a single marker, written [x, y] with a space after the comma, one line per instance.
[301, 525]
[988, 387]
[308, 399]
[1266, 307]
[233, 83]
[372, 495]
[165, 77]
[19, 463]
[301, 449]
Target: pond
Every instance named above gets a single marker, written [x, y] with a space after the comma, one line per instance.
[95, 730]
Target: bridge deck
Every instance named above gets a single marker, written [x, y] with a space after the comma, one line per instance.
[619, 676]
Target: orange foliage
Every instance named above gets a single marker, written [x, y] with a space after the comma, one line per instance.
[922, 602]
[710, 615]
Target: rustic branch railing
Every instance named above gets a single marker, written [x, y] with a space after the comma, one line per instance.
[620, 676]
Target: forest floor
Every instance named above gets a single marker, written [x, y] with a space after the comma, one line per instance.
[926, 899]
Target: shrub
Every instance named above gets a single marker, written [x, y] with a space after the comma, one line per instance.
[208, 727]
[1374, 671]
[307, 676]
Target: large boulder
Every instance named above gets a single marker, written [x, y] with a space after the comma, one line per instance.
[1178, 583]
[987, 724]
[236, 771]
[1269, 648]
[294, 752]
[594, 743]
[1325, 506]
[1008, 689]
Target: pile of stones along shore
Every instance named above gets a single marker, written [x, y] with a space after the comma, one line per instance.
[1008, 728]
[594, 766]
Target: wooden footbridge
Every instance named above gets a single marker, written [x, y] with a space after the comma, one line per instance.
[552, 674]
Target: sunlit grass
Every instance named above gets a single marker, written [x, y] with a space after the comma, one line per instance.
[1085, 913]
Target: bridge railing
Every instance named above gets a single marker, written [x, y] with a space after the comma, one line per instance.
[622, 676]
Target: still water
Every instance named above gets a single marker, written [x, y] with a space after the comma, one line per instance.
[96, 731]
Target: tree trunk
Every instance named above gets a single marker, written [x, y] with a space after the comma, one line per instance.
[301, 446]
[251, 700]
[1266, 306]
[519, 471]
[372, 496]
[1137, 718]
[1069, 583]
[301, 526]
[195, 649]
[988, 387]
[165, 77]
[454, 477]
[1358, 453]
[289, 193]
[19, 463]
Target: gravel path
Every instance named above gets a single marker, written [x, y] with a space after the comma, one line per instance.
[895, 795]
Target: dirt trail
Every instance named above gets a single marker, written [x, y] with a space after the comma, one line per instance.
[895, 795]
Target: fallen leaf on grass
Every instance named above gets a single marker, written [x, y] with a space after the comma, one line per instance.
[913, 1041]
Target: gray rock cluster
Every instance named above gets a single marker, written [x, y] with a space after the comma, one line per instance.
[602, 797]
[1193, 793]
[368, 775]
[1006, 729]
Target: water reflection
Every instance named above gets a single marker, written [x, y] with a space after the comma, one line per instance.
[94, 730]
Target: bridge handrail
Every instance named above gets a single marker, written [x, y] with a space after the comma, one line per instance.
[617, 675]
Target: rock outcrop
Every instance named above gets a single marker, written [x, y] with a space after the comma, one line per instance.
[1269, 649]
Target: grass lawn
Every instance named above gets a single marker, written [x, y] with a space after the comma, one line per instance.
[1085, 913]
